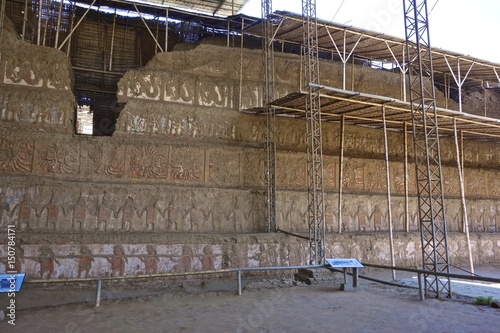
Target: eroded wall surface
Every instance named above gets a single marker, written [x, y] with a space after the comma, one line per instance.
[179, 187]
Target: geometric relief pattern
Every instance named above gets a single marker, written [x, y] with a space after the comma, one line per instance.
[474, 182]
[253, 168]
[493, 181]
[187, 164]
[291, 171]
[377, 180]
[354, 175]
[224, 167]
[330, 172]
[106, 160]
[15, 156]
[148, 162]
[59, 158]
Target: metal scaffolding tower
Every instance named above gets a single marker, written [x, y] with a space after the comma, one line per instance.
[426, 144]
[315, 203]
[269, 96]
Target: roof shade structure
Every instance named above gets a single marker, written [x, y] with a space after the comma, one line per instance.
[365, 109]
[380, 47]
[215, 7]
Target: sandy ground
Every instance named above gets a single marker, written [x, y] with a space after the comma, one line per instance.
[279, 307]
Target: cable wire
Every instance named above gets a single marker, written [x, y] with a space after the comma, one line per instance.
[339, 10]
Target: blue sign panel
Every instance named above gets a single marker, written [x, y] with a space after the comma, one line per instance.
[11, 282]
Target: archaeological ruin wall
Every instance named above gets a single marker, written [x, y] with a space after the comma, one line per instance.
[179, 187]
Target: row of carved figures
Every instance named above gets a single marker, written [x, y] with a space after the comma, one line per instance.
[203, 211]
[149, 263]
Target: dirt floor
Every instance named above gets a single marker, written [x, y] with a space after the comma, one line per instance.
[272, 305]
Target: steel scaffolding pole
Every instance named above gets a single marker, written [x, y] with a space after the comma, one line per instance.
[269, 96]
[315, 194]
[430, 192]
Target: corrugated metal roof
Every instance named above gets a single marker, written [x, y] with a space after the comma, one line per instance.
[215, 7]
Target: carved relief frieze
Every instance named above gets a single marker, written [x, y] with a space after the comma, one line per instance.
[148, 162]
[253, 168]
[376, 176]
[214, 93]
[178, 89]
[224, 167]
[41, 69]
[187, 164]
[159, 86]
[106, 160]
[475, 183]
[36, 109]
[354, 175]
[58, 157]
[251, 95]
[15, 156]
[330, 172]
[291, 170]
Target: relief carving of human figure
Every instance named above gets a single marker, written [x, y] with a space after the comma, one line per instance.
[118, 261]
[25, 212]
[241, 214]
[129, 214]
[377, 218]
[362, 218]
[47, 260]
[207, 259]
[85, 261]
[151, 260]
[185, 262]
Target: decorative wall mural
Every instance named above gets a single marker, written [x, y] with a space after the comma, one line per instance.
[59, 158]
[15, 156]
[187, 164]
[149, 162]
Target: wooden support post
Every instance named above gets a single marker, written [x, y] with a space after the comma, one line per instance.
[112, 43]
[25, 19]
[485, 100]
[157, 28]
[406, 187]
[241, 65]
[76, 26]
[228, 31]
[341, 171]
[72, 22]
[462, 196]
[58, 27]
[446, 92]
[147, 27]
[388, 180]
[352, 74]
[46, 22]
[166, 30]
[39, 27]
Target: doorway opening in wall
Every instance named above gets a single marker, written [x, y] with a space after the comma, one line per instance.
[96, 112]
[84, 119]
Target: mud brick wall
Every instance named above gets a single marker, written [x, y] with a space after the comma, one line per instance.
[35, 87]
[179, 187]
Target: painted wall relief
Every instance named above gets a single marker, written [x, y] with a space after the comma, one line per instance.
[15, 156]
